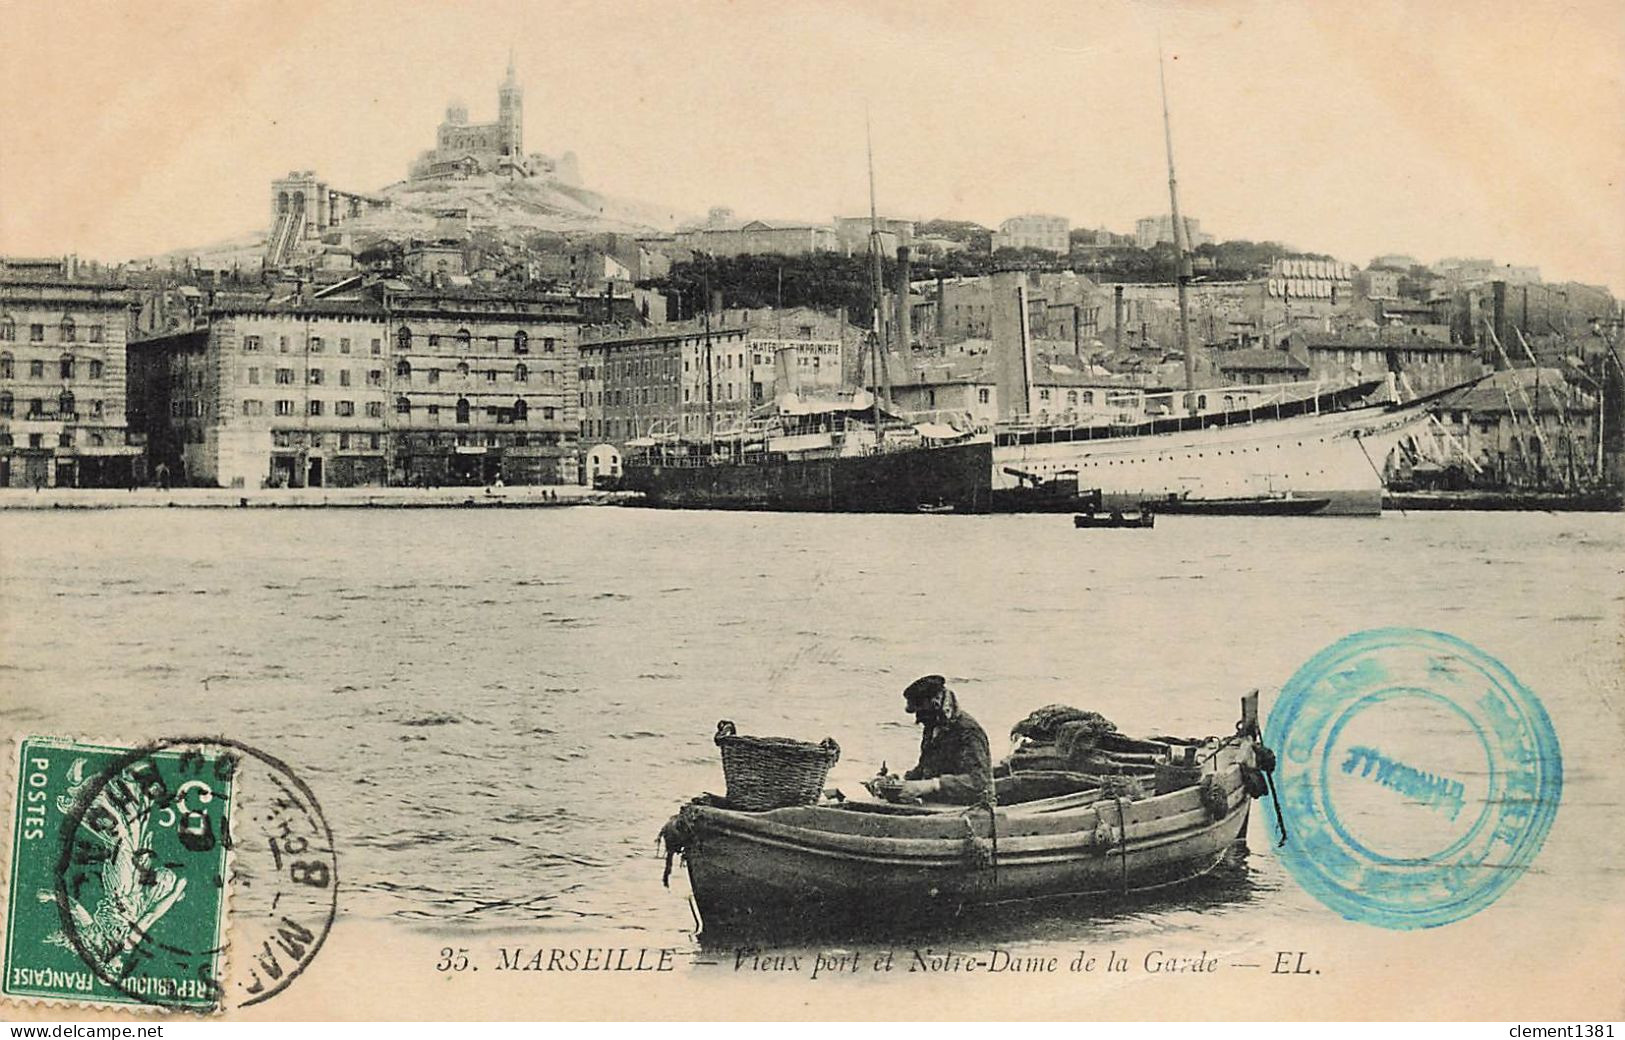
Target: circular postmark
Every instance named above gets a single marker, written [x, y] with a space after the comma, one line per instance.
[1417, 777]
[196, 874]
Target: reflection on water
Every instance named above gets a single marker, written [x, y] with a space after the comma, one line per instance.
[499, 710]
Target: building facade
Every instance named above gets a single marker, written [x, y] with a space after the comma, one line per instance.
[759, 237]
[1149, 231]
[1035, 231]
[62, 385]
[403, 387]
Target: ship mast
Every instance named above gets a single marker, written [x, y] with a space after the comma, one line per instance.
[882, 382]
[1181, 245]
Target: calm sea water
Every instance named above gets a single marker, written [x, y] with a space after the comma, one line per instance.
[499, 709]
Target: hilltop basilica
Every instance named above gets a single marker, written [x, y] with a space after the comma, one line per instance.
[464, 149]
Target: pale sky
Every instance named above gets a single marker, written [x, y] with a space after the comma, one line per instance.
[1491, 129]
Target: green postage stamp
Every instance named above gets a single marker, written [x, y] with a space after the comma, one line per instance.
[118, 869]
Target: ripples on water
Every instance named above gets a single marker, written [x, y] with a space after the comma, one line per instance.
[498, 710]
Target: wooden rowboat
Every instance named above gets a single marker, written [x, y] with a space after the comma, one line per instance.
[1053, 833]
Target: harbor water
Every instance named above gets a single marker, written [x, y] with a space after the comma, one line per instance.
[499, 709]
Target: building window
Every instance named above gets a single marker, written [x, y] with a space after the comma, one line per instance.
[315, 344]
[463, 340]
[36, 369]
[95, 369]
[377, 346]
[314, 377]
[462, 409]
[403, 367]
[548, 412]
[403, 339]
[375, 377]
[8, 367]
[521, 374]
[253, 377]
[490, 375]
[375, 409]
[434, 375]
[253, 407]
[282, 344]
[462, 368]
[8, 329]
[434, 341]
[521, 411]
[434, 411]
[344, 441]
[315, 408]
[5, 403]
[344, 377]
[344, 409]
[36, 333]
[548, 344]
[284, 376]
[403, 406]
[344, 346]
[69, 331]
[251, 344]
[373, 441]
[67, 366]
[982, 395]
[521, 342]
[1088, 397]
[65, 439]
[284, 408]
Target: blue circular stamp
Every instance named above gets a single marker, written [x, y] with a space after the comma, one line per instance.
[1417, 777]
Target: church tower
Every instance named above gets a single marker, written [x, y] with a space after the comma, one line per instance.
[511, 114]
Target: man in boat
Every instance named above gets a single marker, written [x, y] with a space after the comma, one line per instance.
[955, 763]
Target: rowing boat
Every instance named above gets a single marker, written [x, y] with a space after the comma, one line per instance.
[1051, 833]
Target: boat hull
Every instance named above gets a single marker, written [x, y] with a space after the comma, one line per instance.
[1335, 456]
[770, 870]
[956, 476]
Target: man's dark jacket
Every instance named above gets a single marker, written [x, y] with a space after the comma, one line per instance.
[956, 753]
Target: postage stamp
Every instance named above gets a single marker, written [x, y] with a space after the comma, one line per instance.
[1418, 777]
[118, 875]
[135, 871]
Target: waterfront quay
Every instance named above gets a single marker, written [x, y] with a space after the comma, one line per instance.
[551, 496]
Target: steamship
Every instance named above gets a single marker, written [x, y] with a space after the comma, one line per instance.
[828, 457]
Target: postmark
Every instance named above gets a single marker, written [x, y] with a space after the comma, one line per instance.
[1418, 777]
[186, 874]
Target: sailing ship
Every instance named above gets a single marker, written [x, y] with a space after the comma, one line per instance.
[1327, 444]
[853, 455]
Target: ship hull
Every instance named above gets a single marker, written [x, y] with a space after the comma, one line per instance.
[955, 476]
[1336, 456]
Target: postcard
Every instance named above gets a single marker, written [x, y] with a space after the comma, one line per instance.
[550, 511]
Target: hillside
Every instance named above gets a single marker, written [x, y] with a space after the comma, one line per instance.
[498, 209]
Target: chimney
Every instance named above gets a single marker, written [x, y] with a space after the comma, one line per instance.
[942, 313]
[904, 337]
[1117, 317]
[1498, 295]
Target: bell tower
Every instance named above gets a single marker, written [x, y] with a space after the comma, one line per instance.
[511, 114]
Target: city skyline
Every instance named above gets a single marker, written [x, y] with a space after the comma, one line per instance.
[1349, 130]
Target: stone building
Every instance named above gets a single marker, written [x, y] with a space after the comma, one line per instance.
[1523, 427]
[1034, 231]
[760, 237]
[62, 384]
[1149, 231]
[377, 385]
[1426, 363]
[463, 149]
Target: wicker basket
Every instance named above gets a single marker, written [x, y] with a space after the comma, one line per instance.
[773, 772]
